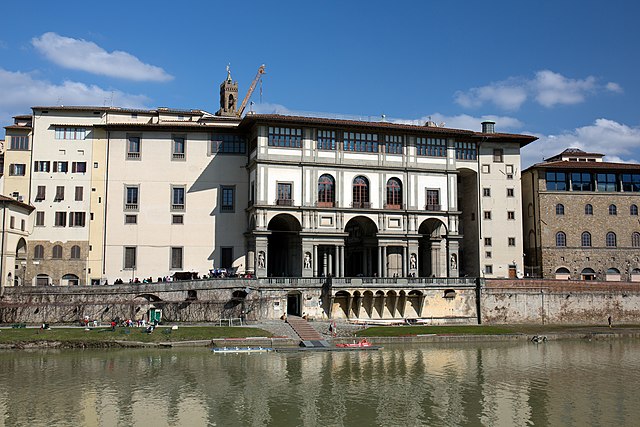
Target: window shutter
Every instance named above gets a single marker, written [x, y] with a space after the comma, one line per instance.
[55, 166]
[73, 167]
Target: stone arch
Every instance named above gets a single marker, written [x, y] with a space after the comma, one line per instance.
[284, 256]
[587, 274]
[70, 280]
[341, 304]
[432, 258]
[367, 302]
[390, 304]
[414, 303]
[378, 304]
[563, 273]
[361, 246]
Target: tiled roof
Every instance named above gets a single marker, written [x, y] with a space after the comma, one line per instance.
[22, 116]
[12, 200]
[119, 109]
[18, 127]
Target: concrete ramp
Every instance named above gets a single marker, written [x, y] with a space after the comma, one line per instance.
[309, 336]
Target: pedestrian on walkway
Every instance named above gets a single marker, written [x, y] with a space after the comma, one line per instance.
[610, 321]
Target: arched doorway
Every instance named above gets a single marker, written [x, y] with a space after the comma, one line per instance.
[588, 274]
[20, 272]
[361, 247]
[70, 280]
[563, 273]
[284, 247]
[432, 248]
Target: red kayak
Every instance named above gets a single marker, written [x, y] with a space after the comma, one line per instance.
[361, 343]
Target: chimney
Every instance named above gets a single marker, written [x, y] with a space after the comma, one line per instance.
[488, 127]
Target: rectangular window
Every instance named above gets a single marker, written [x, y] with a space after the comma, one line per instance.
[178, 149]
[466, 150]
[326, 139]
[41, 194]
[509, 169]
[177, 219]
[79, 167]
[77, 219]
[19, 142]
[40, 219]
[79, 194]
[361, 142]
[42, 166]
[433, 200]
[486, 168]
[227, 202]
[512, 241]
[607, 182]
[70, 133]
[176, 258]
[131, 219]
[177, 198]
[433, 147]
[488, 254]
[61, 167]
[284, 194]
[226, 257]
[581, 181]
[394, 144]
[228, 144]
[22, 224]
[510, 192]
[631, 182]
[131, 198]
[285, 137]
[488, 269]
[12, 222]
[511, 215]
[17, 169]
[557, 181]
[487, 214]
[487, 241]
[486, 192]
[498, 155]
[130, 257]
[61, 219]
[133, 147]
[59, 194]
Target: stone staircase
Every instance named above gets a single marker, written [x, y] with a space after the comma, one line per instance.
[309, 336]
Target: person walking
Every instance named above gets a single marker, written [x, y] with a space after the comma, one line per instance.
[609, 320]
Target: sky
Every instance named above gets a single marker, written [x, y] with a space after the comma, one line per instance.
[564, 71]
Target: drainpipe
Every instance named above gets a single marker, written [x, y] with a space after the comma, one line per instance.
[106, 191]
[4, 213]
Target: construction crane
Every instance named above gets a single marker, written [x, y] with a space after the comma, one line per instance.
[250, 91]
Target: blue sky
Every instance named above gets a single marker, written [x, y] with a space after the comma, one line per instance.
[565, 71]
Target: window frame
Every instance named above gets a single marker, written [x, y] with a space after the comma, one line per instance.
[227, 205]
[431, 195]
[560, 209]
[611, 240]
[394, 194]
[498, 155]
[284, 137]
[360, 194]
[586, 240]
[561, 239]
[284, 188]
[133, 153]
[326, 139]
[176, 153]
[326, 191]
[431, 147]
[176, 263]
[128, 204]
[175, 205]
[129, 253]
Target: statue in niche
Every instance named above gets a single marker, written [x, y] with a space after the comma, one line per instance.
[307, 260]
[413, 262]
[261, 259]
[453, 262]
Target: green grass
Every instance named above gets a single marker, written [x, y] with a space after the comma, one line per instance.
[399, 331]
[99, 335]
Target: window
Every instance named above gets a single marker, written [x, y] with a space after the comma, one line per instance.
[41, 193]
[61, 219]
[465, 150]
[561, 239]
[394, 144]
[434, 147]
[226, 257]
[498, 155]
[588, 209]
[79, 167]
[585, 239]
[227, 203]
[635, 240]
[177, 198]
[57, 252]
[40, 219]
[511, 241]
[228, 144]
[326, 139]
[70, 133]
[178, 148]
[360, 192]
[133, 147]
[556, 181]
[79, 194]
[510, 192]
[433, 200]
[19, 142]
[129, 257]
[613, 210]
[633, 210]
[607, 182]
[61, 167]
[487, 214]
[509, 169]
[488, 269]
[176, 258]
[394, 193]
[17, 169]
[131, 219]
[12, 222]
[42, 166]
[131, 198]
[611, 239]
[559, 209]
[631, 182]
[581, 181]
[326, 191]
[361, 142]
[486, 168]
[511, 215]
[285, 137]
[77, 219]
[284, 194]
[38, 252]
[488, 254]
[59, 194]
[75, 252]
[486, 192]
[177, 219]
[487, 241]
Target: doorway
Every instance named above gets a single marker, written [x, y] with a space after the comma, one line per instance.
[294, 304]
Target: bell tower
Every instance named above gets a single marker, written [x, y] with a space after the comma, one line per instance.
[228, 96]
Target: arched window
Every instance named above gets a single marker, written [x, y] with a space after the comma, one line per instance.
[633, 210]
[361, 192]
[588, 274]
[75, 252]
[611, 239]
[38, 252]
[326, 191]
[586, 239]
[57, 252]
[561, 239]
[559, 209]
[635, 240]
[588, 209]
[613, 210]
[394, 193]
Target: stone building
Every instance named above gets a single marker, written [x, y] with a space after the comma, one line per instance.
[581, 218]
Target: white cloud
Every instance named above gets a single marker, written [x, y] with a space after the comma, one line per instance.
[619, 142]
[21, 91]
[79, 54]
[547, 88]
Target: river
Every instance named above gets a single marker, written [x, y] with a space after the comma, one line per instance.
[572, 383]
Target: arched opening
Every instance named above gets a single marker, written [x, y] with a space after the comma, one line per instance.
[341, 304]
[588, 274]
[414, 304]
[613, 275]
[361, 247]
[356, 305]
[367, 303]
[326, 191]
[635, 275]
[390, 305]
[378, 304]
[433, 249]
[21, 262]
[284, 247]
[70, 280]
[394, 194]
[43, 280]
[360, 193]
[563, 273]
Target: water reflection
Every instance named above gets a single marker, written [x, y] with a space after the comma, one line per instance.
[557, 383]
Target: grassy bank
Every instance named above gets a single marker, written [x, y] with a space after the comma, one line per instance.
[400, 331]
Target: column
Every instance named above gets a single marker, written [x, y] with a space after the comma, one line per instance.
[341, 272]
[324, 263]
[384, 261]
[329, 263]
[404, 261]
[379, 261]
[315, 260]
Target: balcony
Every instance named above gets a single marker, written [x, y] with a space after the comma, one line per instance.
[178, 156]
[361, 205]
[133, 155]
[433, 208]
[284, 202]
[177, 207]
[130, 206]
